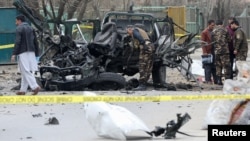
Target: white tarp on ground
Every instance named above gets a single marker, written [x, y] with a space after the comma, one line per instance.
[111, 121]
[197, 67]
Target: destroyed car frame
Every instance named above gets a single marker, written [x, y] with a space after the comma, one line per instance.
[101, 64]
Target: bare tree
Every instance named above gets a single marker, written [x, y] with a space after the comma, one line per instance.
[216, 9]
[160, 2]
[176, 2]
[156, 2]
[61, 9]
[207, 9]
[96, 5]
[113, 8]
[72, 8]
[228, 9]
[45, 10]
[221, 9]
[126, 4]
[147, 3]
[83, 9]
[34, 5]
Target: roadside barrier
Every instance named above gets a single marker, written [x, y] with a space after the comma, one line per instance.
[57, 99]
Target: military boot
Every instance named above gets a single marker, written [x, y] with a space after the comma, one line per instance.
[141, 87]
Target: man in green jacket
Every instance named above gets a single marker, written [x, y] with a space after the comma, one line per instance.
[240, 42]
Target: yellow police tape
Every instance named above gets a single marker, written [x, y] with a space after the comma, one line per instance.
[6, 46]
[107, 98]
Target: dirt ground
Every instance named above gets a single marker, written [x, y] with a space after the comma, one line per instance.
[28, 122]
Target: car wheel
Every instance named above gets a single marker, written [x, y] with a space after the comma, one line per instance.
[108, 81]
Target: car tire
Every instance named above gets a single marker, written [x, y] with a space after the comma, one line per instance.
[108, 81]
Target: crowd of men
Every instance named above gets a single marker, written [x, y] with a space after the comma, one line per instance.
[226, 45]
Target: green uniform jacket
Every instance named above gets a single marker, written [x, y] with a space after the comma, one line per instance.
[240, 41]
[222, 38]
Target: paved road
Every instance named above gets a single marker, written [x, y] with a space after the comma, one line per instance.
[27, 121]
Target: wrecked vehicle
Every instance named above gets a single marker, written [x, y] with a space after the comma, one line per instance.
[70, 62]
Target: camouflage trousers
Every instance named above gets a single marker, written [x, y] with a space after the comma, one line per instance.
[145, 62]
[241, 56]
[222, 62]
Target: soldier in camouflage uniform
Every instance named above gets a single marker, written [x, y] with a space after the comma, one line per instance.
[222, 58]
[141, 40]
[240, 42]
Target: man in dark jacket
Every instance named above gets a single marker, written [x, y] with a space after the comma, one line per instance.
[141, 40]
[26, 50]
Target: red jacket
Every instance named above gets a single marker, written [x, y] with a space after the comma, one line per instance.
[206, 36]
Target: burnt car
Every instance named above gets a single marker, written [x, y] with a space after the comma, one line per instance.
[103, 57]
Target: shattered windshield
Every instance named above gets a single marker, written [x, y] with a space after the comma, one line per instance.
[82, 32]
